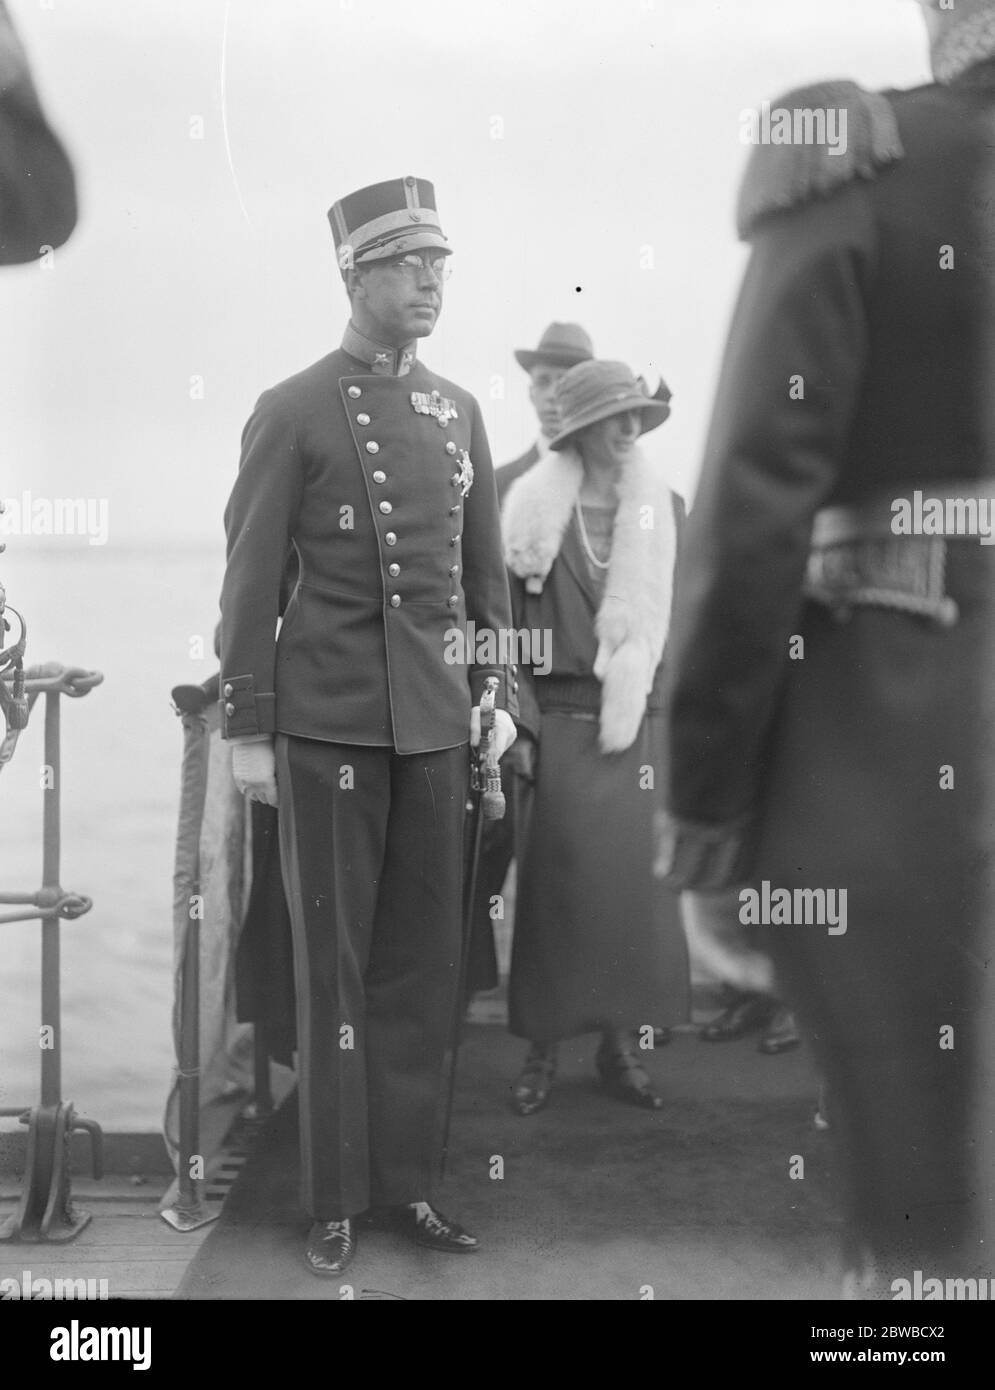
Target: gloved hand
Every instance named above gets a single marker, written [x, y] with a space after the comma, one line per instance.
[505, 732]
[253, 765]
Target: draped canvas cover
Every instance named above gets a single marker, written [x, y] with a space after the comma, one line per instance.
[211, 876]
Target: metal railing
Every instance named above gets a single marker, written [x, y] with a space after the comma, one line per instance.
[46, 1211]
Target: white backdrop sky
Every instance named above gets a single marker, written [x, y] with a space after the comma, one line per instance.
[620, 125]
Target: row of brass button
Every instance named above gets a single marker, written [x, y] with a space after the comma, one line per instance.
[385, 508]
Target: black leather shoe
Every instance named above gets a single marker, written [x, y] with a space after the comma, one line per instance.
[424, 1225]
[781, 1033]
[745, 1014]
[624, 1076]
[330, 1247]
[535, 1080]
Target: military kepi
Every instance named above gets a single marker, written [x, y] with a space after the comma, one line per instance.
[386, 219]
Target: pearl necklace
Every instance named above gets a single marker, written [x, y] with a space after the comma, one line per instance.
[585, 541]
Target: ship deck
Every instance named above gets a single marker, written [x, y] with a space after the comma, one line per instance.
[598, 1200]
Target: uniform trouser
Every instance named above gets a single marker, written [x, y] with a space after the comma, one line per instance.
[900, 1103]
[371, 849]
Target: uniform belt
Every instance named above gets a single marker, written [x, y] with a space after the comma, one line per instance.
[579, 696]
[569, 694]
[857, 559]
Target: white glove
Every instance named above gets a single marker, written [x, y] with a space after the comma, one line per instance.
[253, 765]
[505, 732]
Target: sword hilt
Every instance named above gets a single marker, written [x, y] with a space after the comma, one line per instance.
[487, 779]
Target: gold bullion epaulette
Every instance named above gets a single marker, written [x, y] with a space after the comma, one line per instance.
[810, 143]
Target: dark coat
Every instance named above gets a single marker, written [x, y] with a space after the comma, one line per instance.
[825, 771]
[598, 942]
[897, 359]
[566, 608]
[37, 184]
[375, 515]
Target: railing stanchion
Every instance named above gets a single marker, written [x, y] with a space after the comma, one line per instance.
[51, 1002]
[46, 1211]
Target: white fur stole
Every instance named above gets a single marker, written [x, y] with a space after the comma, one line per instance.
[632, 622]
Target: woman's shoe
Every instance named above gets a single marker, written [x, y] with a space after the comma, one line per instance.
[781, 1033]
[536, 1079]
[746, 1013]
[623, 1074]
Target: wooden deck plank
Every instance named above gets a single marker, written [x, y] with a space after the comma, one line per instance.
[112, 1227]
[95, 1255]
[106, 1209]
[131, 1236]
[126, 1243]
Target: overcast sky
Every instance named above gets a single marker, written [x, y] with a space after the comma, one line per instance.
[585, 156]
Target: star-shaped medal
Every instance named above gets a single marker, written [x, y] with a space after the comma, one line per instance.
[465, 473]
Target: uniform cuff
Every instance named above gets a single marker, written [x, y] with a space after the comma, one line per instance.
[243, 711]
[706, 858]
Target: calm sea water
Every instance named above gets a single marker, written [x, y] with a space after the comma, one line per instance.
[136, 614]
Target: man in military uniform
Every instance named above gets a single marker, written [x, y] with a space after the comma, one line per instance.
[831, 708]
[561, 347]
[377, 473]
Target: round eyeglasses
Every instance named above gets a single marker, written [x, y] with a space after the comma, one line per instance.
[413, 266]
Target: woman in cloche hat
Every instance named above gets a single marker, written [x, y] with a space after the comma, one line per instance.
[590, 540]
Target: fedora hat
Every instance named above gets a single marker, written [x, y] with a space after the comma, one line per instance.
[386, 219]
[562, 344]
[593, 391]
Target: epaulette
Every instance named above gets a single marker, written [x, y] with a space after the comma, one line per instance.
[785, 171]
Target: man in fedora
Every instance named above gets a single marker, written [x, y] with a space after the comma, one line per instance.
[375, 474]
[561, 347]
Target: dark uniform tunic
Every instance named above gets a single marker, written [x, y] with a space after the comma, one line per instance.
[367, 474]
[826, 771]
